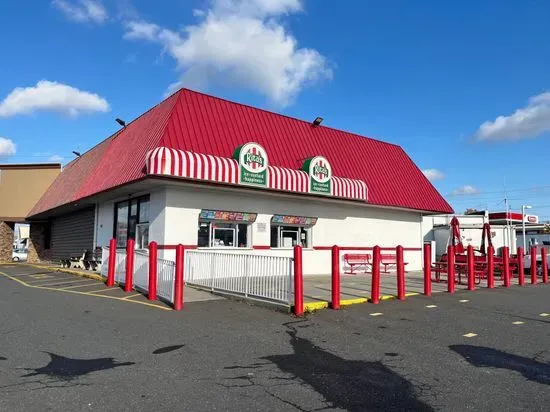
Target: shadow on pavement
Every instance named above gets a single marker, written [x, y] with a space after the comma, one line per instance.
[64, 368]
[481, 356]
[350, 385]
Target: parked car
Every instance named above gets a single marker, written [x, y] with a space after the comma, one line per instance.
[19, 255]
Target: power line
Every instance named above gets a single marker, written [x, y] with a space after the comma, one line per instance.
[501, 191]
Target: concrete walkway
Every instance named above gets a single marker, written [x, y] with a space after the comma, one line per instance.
[317, 288]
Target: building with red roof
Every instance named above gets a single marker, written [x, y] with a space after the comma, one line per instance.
[205, 172]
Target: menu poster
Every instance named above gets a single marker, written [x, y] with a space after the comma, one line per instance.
[224, 216]
[294, 220]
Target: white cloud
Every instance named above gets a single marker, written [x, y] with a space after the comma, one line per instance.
[7, 147]
[55, 158]
[240, 43]
[53, 97]
[527, 122]
[466, 190]
[433, 174]
[82, 11]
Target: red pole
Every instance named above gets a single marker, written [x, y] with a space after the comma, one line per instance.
[178, 281]
[153, 253]
[375, 287]
[427, 269]
[543, 255]
[400, 273]
[533, 265]
[298, 282]
[112, 263]
[506, 266]
[491, 267]
[129, 285]
[521, 273]
[451, 269]
[471, 268]
[335, 277]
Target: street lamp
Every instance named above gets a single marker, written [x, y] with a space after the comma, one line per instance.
[523, 207]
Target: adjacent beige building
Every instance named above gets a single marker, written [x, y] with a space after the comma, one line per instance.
[21, 185]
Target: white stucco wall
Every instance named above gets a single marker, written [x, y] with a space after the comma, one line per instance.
[338, 223]
[174, 214]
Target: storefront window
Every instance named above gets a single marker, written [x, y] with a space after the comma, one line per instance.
[224, 229]
[132, 222]
[289, 231]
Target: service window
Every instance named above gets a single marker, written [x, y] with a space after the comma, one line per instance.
[225, 229]
[289, 231]
[132, 222]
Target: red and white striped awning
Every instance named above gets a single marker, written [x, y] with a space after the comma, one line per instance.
[289, 180]
[190, 165]
[349, 188]
[165, 161]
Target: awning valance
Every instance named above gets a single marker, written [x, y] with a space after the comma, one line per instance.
[164, 161]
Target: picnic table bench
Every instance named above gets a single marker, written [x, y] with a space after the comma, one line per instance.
[356, 261]
[87, 260]
[480, 267]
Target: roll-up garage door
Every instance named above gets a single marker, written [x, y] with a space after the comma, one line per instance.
[72, 233]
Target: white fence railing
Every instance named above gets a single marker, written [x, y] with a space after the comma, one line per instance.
[141, 271]
[120, 267]
[104, 261]
[166, 273]
[260, 277]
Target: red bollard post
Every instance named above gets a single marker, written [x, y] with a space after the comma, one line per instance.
[491, 267]
[335, 304]
[521, 271]
[129, 285]
[375, 284]
[178, 281]
[471, 268]
[544, 257]
[111, 264]
[451, 269]
[533, 265]
[298, 282]
[506, 266]
[153, 253]
[427, 269]
[400, 272]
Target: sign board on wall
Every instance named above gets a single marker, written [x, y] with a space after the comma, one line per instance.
[294, 220]
[227, 216]
[320, 175]
[253, 164]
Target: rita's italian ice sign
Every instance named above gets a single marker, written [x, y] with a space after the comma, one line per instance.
[320, 175]
[253, 163]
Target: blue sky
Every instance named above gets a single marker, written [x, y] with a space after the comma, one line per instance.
[462, 86]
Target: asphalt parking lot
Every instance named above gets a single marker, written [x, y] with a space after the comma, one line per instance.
[487, 350]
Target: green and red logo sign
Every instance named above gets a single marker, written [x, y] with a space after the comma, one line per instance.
[253, 164]
[320, 175]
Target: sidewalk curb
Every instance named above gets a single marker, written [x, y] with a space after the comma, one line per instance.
[69, 271]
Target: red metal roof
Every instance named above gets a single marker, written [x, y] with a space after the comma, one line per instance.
[197, 122]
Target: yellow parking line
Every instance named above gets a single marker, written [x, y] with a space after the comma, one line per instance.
[103, 290]
[131, 296]
[59, 282]
[80, 286]
[82, 293]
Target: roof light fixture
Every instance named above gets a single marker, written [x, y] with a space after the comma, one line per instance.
[77, 153]
[317, 121]
[120, 122]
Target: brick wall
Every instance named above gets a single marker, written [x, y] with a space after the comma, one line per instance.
[6, 241]
[37, 250]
